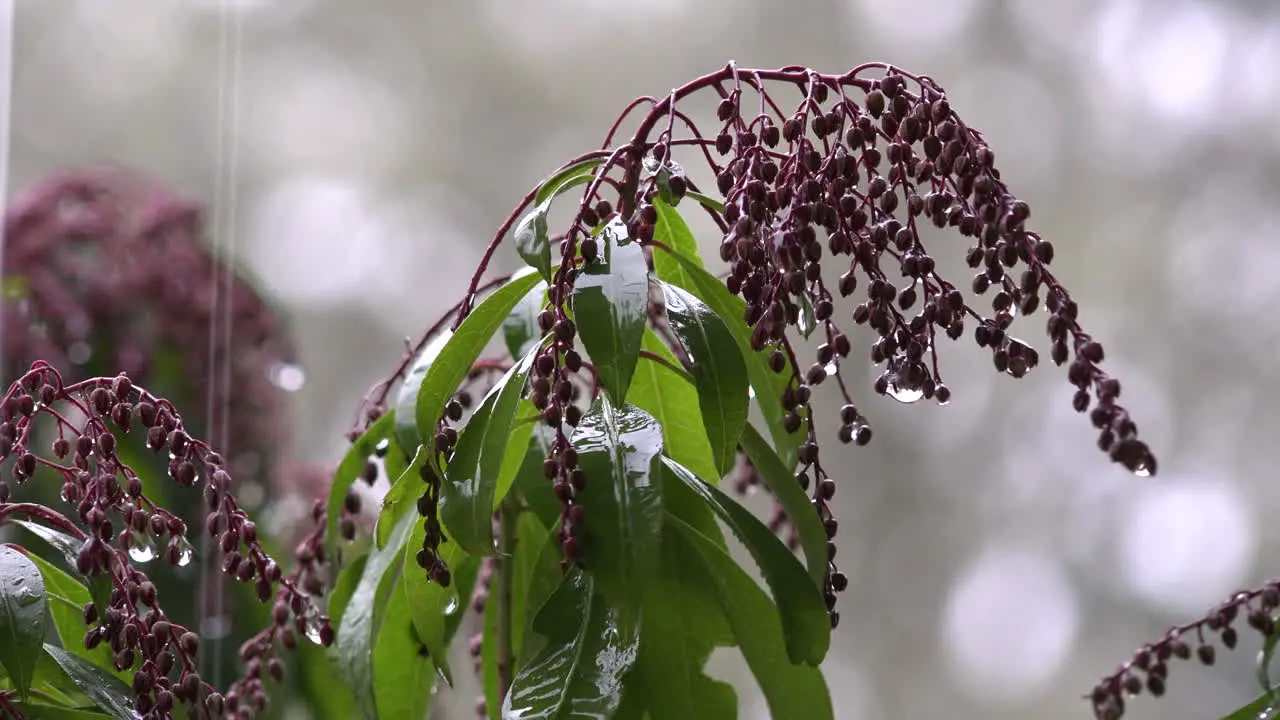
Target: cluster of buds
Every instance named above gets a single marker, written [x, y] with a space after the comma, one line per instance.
[120, 527]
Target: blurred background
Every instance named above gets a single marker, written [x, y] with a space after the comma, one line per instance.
[999, 563]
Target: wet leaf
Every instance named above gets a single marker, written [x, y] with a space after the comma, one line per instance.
[402, 496]
[517, 447]
[610, 305]
[673, 232]
[783, 485]
[562, 180]
[459, 354]
[68, 546]
[804, 614]
[520, 329]
[489, 679]
[792, 691]
[530, 483]
[40, 711]
[363, 616]
[403, 671]
[619, 450]
[1256, 710]
[344, 588]
[469, 492]
[578, 672]
[767, 384]
[532, 241]
[718, 371]
[110, 694]
[352, 467]
[67, 598]
[437, 611]
[673, 402]
[23, 621]
[706, 200]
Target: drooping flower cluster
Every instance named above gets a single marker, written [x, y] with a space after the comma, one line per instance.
[90, 421]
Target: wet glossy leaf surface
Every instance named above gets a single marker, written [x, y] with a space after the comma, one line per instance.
[110, 694]
[407, 428]
[767, 384]
[352, 467]
[520, 328]
[437, 611]
[469, 493]
[23, 621]
[565, 179]
[58, 540]
[532, 241]
[673, 402]
[610, 305]
[619, 450]
[792, 691]
[460, 353]
[719, 371]
[363, 616]
[799, 599]
[67, 598]
[783, 485]
[578, 671]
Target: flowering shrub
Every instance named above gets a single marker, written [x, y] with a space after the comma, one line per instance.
[556, 442]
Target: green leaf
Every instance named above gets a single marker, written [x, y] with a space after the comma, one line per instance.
[530, 483]
[767, 384]
[1255, 709]
[718, 371]
[472, 478]
[562, 180]
[673, 232]
[610, 305]
[489, 679]
[619, 450]
[23, 621]
[110, 694]
[1264, 662]
[705, 200]
[673, 402]
[344, 588]
[532, 241]
[402, 496]
[408, 429]
[352, 467]
[436, 611]
[403, 671]
[68, 546]
[578, 672]
[804, 615]
[683, 623]
[521, 328]
[792, 691]
[363, 616]
[783, 485]
[459, 354]
[67, 598]
[517, 448]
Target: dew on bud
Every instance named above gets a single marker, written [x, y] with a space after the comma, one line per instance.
[142, 550]
[185, 551]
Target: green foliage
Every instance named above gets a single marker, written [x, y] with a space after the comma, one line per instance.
[22, 617]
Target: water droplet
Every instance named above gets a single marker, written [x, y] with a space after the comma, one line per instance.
[1142, 470]
[751, 392]
[66, 491]
[313, 626]
[903, 392]
[830, 368]
[142, 552]
[287, 377]
[383, 445]
[27, 598]
[452, 606]
[184, 552]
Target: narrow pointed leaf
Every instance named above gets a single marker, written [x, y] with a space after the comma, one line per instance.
[403, 671]
[22, 617]
[459, 354]
[705, 201]
[792, 691]
[610, 305]
[345, 588]
[520, 329]
[673, 402]
[783, 485]
[471, 481]
[619, 450]
[352, 467]
[363, 616]
[804, 615]
[767, 384]
[400, 498]
[564, 179]
[516, 450]
[68, 546]
[579, 671]
[719, 371]
[672, 231]
[489, 680]
[437, 611]
[110, 694]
